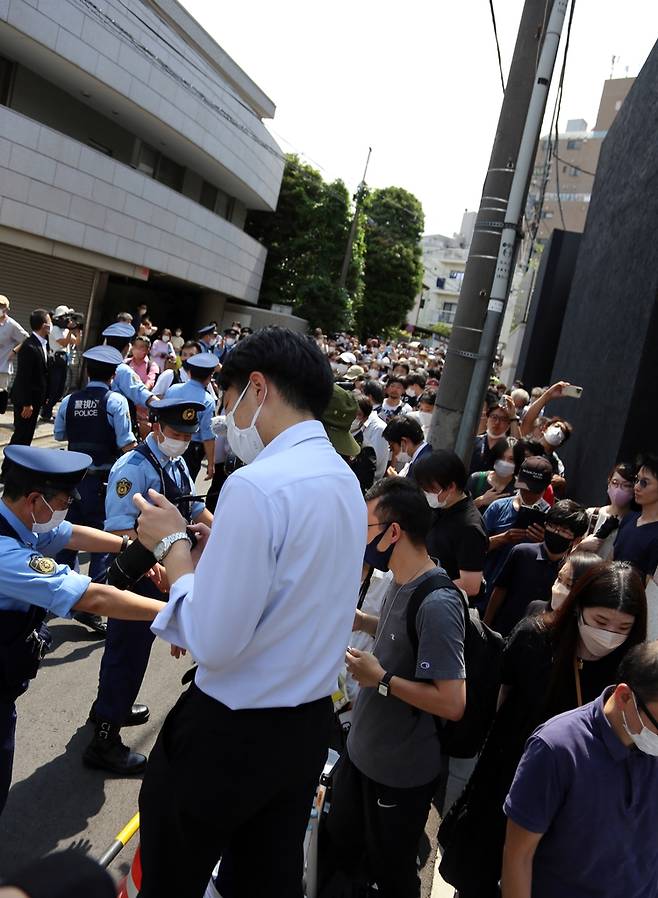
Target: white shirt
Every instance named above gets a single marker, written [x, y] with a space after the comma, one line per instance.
[268, 612]
[44, 344]
[57, 333]
[11, 334]
[373, 428]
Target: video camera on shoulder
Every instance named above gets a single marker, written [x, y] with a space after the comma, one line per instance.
[72, 320]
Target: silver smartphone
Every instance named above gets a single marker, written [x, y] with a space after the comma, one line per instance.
[572, 392]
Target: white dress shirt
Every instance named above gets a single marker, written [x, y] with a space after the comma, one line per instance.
[373, 428]
[268, 612]
[11, 334]
[44, 344]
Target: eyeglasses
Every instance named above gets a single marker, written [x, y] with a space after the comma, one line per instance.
[642, 482]
[644, 708]
[621, 484]
[499, 418]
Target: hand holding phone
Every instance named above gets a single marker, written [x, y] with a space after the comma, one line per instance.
[572, 392]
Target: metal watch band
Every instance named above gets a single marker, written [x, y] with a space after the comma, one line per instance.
[168, 542]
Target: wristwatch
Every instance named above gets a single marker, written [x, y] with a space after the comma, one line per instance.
[162, 548]
[383, 687]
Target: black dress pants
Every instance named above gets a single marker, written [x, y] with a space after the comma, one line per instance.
[57, 371]
[380, 825]
[240, 782]
[194, 455]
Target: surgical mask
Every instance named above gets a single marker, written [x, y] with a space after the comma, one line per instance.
[56, 518]
[620, 495]
[556, 543]
[492, 435]
[646, 740]
[558, 595]
[504, 468]
[424, 418]
[245, 442]
[166, 338]
[554, 436]
[599, 642]
[378, 559]
[229, 341]
[433, 500]
[172, 448]
[403, 458]
[373, 373]
[356, 426]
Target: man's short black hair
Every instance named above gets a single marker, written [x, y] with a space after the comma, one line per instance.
[570, 515]
[404, 365]
[649, 460]
[428, 397]
[639, 670]
[119, 343]
[440, 468]
[416, 380]
[191, 344]
[293, 362]
[374, 391]
[99, 370]
[400, 427]
[399, 500]
[38, 318]
[394, 379]
[19, 484]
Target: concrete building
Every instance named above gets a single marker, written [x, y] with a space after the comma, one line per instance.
[444, 262]
[131, 149]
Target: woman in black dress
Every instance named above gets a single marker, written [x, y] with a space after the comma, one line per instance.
[553, 663]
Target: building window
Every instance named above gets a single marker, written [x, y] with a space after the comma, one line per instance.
[225, 204]
[574, 144]
[6, 80]
[208, 196]
[169, 173]
[574, 172]
[457, 276]
[147, 159]
[99, 147]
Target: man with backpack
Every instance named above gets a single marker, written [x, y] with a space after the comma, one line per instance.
[389, 773]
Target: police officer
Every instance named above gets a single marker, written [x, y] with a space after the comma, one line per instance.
[200, 369]
[40, 485]
[125, 380]
[97, 421]
[208, 339]
[156, 463]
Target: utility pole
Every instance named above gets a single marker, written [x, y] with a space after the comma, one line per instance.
[464, 343]
[350, 240]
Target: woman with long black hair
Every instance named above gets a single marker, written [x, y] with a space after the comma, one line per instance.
[553, 663]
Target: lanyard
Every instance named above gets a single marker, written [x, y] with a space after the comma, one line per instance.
[577, 666]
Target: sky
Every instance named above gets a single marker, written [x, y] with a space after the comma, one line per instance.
[416, 80]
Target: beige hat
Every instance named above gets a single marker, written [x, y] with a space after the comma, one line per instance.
[354, 372]
[62, 310]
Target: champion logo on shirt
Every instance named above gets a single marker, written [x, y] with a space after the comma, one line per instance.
[425, 665]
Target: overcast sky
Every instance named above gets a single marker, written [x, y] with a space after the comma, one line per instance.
[416, 80]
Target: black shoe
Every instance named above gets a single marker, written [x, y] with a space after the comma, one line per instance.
[94, 621]
[138, 714]
[106, 751]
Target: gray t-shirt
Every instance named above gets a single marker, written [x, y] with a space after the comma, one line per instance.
[390, 741]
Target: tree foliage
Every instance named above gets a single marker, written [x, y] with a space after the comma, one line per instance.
[306, 239]
[393, 267]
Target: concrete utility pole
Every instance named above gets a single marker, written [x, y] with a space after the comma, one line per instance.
[350, 240]
[474, 297]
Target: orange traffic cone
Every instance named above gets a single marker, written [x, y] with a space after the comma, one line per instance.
[131, 885]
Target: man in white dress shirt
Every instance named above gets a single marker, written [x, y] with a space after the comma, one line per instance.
[266, 609]
[11, 337]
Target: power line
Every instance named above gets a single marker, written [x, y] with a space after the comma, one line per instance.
[584, 171]
[495, 28]
[559, 106]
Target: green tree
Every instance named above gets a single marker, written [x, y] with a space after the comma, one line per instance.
[306, 239]
[393, 267]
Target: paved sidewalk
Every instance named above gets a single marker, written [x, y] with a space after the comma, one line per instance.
[43, 435]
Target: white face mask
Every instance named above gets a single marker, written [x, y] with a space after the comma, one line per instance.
[245, 442]
[554, 436]
[558, 595]
[433, 501]
[166, 338]
[504, 468]
[356, 426]
[492, 435]
[599, 642]
[403, 458]
[56, 518]
[646, 740]
[373, 373]
[172, 448]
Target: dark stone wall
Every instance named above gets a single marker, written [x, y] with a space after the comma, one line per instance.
[547, 309]
[609, 337]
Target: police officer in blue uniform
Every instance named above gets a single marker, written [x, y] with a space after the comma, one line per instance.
[200, 369]
[208, 339]
[40, 485]
[156, 463]
[97, 421]
[125, 380]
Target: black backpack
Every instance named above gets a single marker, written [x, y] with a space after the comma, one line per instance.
[483, 655]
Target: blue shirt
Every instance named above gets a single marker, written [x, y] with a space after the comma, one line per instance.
[118, 417]
[195, 391]
[132, 473]
[22, 585]
[596, 802]
[499, 517]
[639, 545]
[268, 612]
[129, 385]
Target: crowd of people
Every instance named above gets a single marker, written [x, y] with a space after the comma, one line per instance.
[499, 663]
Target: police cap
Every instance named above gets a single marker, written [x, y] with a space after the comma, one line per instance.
[104, 355]
[202, 361]
[181, 414]
[208, 329]
[55, 469]
[120, 329]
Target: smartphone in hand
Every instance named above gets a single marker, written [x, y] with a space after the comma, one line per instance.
[572, 392]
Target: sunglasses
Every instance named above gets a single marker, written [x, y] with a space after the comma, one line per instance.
[642, 482]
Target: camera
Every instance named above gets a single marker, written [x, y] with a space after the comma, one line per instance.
[72, 320]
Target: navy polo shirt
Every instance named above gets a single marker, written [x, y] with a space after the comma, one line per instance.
[528, 574]
[596, 803]
[639, 545]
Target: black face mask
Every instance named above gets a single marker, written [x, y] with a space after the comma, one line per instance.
[379, 560]
[557, 544]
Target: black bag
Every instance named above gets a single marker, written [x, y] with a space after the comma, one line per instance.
[483, 655]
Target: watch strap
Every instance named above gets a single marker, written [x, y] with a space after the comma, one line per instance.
[168, 542]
